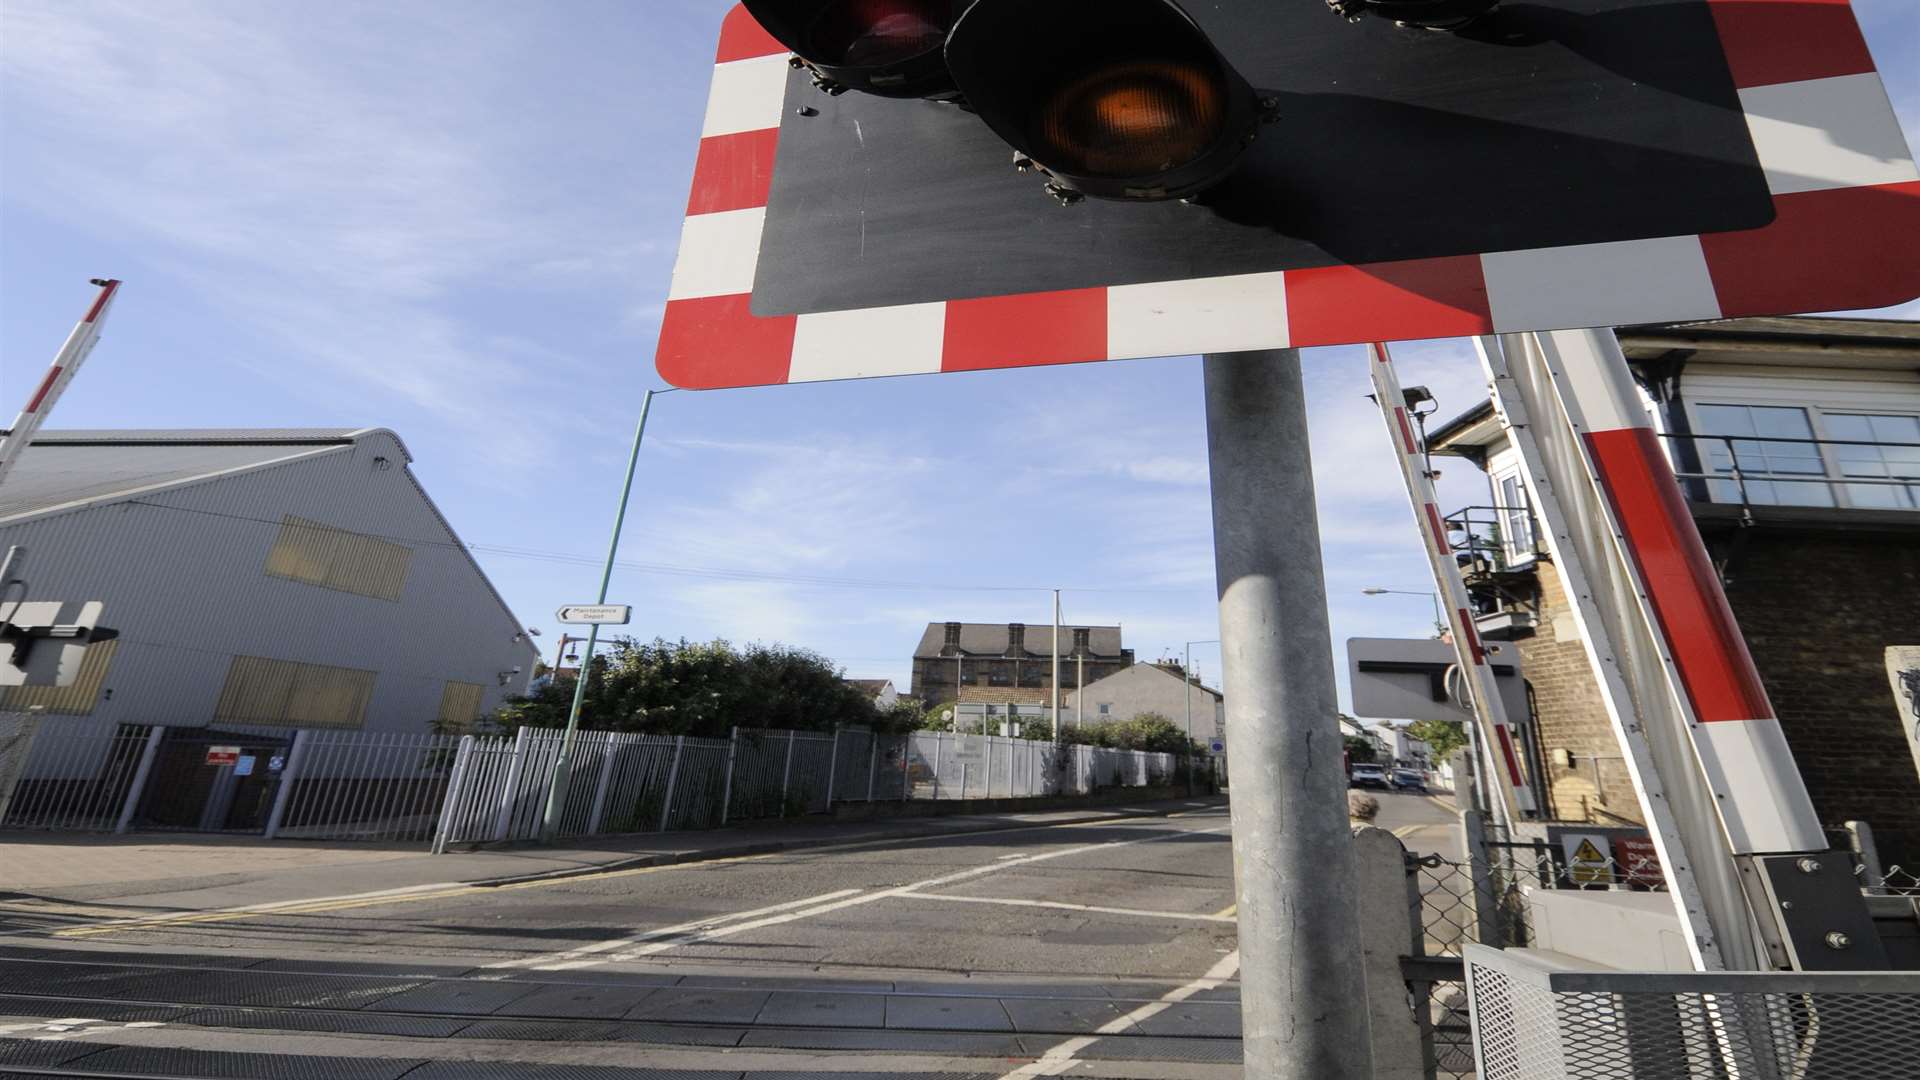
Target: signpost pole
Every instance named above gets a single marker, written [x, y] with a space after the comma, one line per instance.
[563, 767]
[1303, 1001]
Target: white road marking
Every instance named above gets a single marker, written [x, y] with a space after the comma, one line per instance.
[560, 961]
[1060, 1058]
[67, 1027]
[1062, 905]
[658, 941]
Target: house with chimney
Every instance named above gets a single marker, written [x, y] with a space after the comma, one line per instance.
[1010, 663]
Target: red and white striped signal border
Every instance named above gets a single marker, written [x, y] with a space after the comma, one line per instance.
[1845, 190]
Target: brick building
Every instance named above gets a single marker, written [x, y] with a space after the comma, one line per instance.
[1797, 444]
[1010, 663]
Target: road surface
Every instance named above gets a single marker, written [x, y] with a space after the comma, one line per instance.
[1103, 949]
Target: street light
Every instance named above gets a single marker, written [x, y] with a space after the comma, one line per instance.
[1439, 616]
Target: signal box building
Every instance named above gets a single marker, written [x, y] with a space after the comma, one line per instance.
[260, 582]
[1010, 663]
[1797, 445]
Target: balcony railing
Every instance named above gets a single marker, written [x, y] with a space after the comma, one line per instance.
[1494, 537]
[1749, 471]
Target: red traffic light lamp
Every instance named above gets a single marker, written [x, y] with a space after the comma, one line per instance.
[1130, 102]
[887, 47]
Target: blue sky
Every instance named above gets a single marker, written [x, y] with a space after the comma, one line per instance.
[458, 221]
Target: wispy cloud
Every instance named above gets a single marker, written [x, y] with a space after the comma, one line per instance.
[349, 196]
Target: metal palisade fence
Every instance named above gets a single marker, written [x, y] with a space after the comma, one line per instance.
[453, 789]
[497, 786]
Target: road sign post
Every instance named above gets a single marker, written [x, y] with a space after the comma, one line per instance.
[563, 765]
[1303, 1001]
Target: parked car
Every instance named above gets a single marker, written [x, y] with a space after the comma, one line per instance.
[1409, 780]
[1365, 776]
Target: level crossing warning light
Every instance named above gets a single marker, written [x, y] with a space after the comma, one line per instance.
[892, 48]
[1128, 99]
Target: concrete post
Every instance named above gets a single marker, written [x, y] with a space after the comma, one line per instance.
[510, 791]
[1486, 900]
[786, 774]
[939, 751]
[145, 768]
[1389, 930]
[673, 779]
[597, 816]
[453, 805]
[726, 791]
[281, 797]
[833, 768]
[1303, 997]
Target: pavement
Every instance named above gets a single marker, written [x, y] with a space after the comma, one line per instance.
[1017, 945]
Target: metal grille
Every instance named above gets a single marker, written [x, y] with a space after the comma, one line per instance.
[1533, 1022]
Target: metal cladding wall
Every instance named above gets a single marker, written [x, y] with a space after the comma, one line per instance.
[182, 573]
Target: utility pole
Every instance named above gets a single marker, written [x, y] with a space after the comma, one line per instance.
[1186, 672]
[1056, 663]
[563, 767]
[1303, 1001]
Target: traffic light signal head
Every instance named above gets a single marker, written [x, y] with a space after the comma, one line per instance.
[887, 47]
[1126, 99]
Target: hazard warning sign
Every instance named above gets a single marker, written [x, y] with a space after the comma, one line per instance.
[1587, 862]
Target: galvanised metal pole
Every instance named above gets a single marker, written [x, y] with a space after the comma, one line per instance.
[1303, 1001]
[563, 767]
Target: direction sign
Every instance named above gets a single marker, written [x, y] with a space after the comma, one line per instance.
[1571, 163]
[596, 614]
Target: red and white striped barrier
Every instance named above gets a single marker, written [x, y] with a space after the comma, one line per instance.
[1763, 801]
[1845, 187]
[1489, 706]
[67, 361]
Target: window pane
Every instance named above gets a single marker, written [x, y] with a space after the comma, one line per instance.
[1874, 457]
[1761, 461]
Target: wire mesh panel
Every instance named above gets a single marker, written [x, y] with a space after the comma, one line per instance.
[1534, 1022]
[68, 779]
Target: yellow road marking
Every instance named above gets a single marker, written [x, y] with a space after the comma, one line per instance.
[1226, 911]
[1405, 831]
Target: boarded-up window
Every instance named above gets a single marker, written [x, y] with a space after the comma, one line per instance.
[338, 559]
[459, 705]
[75, 700]
[286, 693]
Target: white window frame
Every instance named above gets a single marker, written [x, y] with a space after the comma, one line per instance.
[1515, 555]
[1793, 394]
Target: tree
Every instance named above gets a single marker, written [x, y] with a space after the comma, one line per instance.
[1444, 736]
[1359, 750]
[1144, 731]
[704, 689]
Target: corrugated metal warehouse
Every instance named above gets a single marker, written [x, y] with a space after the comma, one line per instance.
[261, 582]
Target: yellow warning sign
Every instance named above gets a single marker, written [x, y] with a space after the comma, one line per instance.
[1587, 862]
